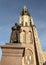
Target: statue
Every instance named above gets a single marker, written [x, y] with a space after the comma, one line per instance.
[15, 34]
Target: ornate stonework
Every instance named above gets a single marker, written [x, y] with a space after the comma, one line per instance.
[24, 47]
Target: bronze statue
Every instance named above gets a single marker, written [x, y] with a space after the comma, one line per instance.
[15, 34]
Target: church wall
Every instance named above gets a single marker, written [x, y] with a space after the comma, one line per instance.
[44, 53]
[26, 35]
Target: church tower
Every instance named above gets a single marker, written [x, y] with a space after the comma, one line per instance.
[24, 46]
[29, 38]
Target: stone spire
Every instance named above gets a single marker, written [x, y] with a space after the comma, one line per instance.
[25, 8]
[25, 18]
[25, 11]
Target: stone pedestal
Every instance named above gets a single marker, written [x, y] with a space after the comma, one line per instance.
[12, 54]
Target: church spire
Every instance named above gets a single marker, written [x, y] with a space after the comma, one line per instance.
[25, 18]
[25, 8]
[25, 11]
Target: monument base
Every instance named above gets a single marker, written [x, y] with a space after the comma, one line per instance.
[12, 54]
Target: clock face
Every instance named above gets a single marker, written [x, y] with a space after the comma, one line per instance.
[28, 58]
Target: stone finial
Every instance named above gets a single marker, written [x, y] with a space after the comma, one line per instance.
[25, 8]
[25, 11]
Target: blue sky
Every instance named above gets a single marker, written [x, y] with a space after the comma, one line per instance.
[9, 14]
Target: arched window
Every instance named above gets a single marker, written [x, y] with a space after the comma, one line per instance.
[28, 58]
[29, 37]
[25, 23]
[30, 23]
[23, 36]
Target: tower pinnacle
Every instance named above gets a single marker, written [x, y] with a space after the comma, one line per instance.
[25, 8]
[25, 18]
[25, 11]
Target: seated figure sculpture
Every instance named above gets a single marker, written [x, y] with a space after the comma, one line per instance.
[15, 34]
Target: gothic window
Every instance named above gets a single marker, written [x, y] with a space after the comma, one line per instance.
[30, 23]
[25, 23]
[23, 36]
[28, 58]
[29, 37]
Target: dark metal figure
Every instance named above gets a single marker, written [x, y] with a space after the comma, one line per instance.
[15, 34]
